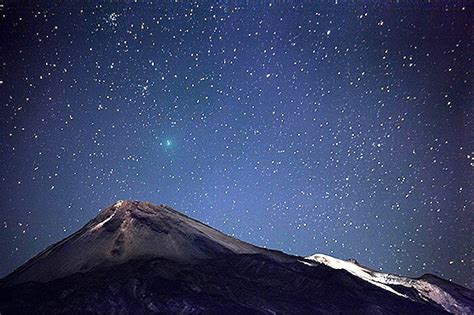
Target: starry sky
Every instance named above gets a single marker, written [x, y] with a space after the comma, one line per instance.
[341, 128]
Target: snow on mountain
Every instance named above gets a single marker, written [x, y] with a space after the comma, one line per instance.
[426, 290]
[136, 257]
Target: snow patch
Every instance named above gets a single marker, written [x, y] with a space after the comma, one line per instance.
[353, 269]
[426, 290]
[99, 225]
[119, 203]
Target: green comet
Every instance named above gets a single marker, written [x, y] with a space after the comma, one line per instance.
[168, 143]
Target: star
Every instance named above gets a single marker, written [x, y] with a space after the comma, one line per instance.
[302, 128]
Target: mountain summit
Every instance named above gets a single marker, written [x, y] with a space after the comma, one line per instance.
[129, 230]
[136, 257]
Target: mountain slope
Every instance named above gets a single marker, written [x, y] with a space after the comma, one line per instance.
[135, 257]
[454, 298]
[130, 230]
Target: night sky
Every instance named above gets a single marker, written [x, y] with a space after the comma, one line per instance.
[336, 128]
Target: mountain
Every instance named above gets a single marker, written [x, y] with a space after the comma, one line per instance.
[130, 230]
[138, 258]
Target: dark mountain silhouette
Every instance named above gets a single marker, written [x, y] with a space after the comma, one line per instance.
[138, 258]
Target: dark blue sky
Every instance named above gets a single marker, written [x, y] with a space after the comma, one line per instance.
[342, 129]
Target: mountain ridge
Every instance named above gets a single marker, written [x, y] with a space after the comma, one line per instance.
[205, 271]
